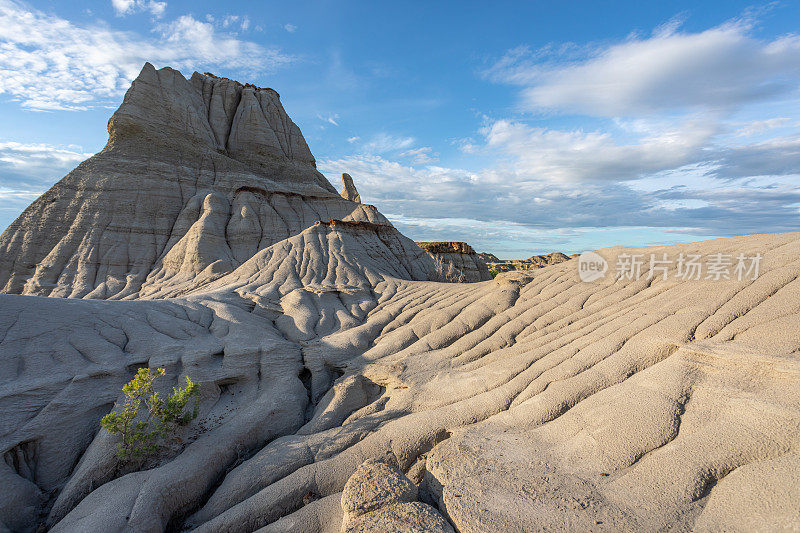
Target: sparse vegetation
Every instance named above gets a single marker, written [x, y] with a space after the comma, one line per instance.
[145, 419]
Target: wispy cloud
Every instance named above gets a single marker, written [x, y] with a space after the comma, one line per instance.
[722, 67]
[236, 21]
[291, 28]
[330, 118]
[28, 169]
[27, 156]
[49, 63]
[35, 166]
[658, 103]
[775, 157]
[385, 142]
[127, 7]
[756, 127]
[421, 156]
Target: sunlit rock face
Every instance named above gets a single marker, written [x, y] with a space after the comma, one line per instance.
[457, 261]
[197, 176]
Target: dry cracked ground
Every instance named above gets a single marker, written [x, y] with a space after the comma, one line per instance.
[343, 389]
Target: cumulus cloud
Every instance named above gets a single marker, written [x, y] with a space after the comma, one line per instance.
[569, 156]
[420, 199]
[49, 63]
[723, 66]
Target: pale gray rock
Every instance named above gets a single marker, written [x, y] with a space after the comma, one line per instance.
[379, 498]
[745, 499]
[349, 191]
[373, 485]
[407, 517]
[197, 176]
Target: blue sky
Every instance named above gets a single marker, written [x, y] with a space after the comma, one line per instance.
[519, 127]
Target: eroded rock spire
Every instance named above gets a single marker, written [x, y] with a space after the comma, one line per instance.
[349, 191]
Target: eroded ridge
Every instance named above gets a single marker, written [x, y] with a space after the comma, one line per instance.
[616, 405]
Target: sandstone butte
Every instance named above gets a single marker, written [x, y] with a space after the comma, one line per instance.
[345, 386]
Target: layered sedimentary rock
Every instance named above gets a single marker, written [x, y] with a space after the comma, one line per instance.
[457, 261]
[341, 390]
[197, 176]
[531, 263]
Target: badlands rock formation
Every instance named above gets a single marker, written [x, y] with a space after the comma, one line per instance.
[457, 261]
[341, 390]
[531, 263]
[349, 191]
[198, 175]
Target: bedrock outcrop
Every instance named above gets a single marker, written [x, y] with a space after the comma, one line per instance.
[457, 261]
[197, 176]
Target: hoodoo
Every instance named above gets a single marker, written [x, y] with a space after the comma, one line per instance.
[349, 191]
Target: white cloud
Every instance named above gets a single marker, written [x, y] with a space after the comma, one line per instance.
[123, 7]
[330, 118]
[721, 67]
[291, 28]
[384, 142]
[127, 7]
[395, 182]
[48, 63]
[28, 156]
[421, 156]
[230, 21]
[569, 156]
[353, 139]
[35, 166]
[497, 196]
[666, 101]
[760, 126]
[28, 169]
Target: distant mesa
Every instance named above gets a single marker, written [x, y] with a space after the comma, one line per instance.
[534, 262]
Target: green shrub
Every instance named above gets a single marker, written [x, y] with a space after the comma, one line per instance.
[141, 434]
